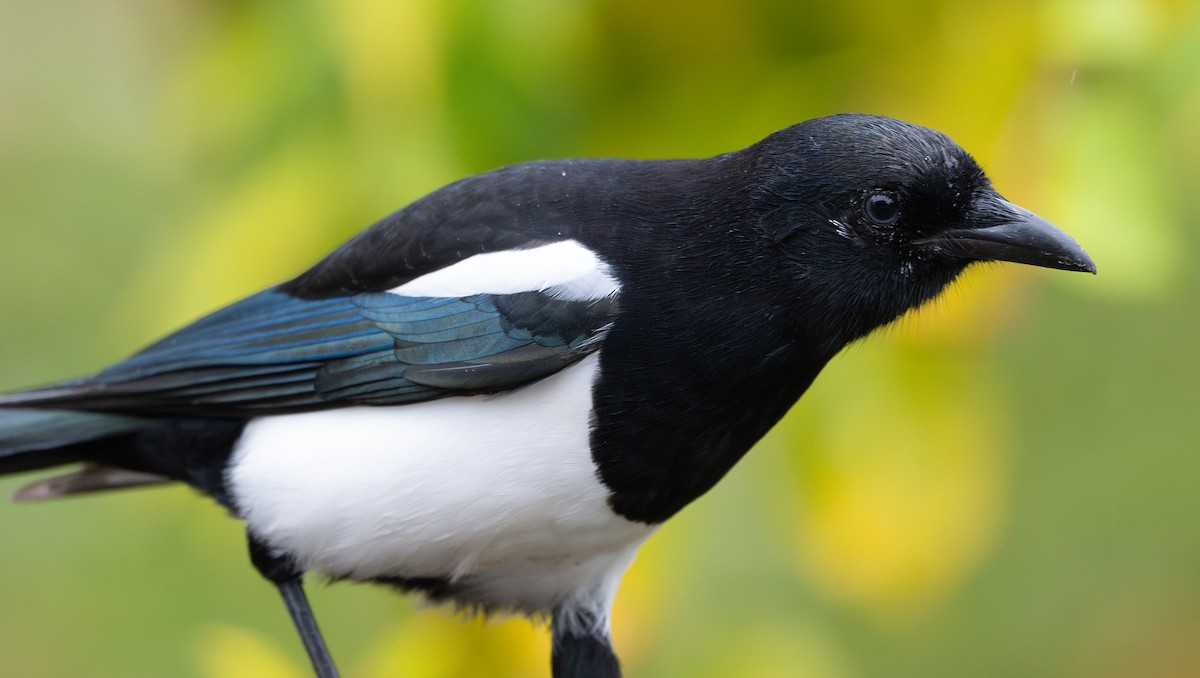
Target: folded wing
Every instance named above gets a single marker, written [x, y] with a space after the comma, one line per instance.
[277, 353]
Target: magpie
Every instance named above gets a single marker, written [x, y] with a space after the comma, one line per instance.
[494, 395]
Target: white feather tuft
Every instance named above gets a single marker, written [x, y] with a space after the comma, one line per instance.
[565, 270]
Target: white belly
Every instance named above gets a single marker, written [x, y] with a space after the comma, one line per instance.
[498, 493]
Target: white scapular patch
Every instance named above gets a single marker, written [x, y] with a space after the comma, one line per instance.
[497, 493]
[565, 270]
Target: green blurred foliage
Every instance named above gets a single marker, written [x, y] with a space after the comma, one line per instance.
[1001, 485]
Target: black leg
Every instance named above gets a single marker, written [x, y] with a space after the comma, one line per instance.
[280, 570]
[297, 605]
[582, 648]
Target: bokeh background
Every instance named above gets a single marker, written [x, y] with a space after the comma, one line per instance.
[1004, 484]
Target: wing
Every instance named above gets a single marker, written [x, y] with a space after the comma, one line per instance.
[276, 353]
[479, 287]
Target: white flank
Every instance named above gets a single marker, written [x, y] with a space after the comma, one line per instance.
[498, 493]
[564, 270]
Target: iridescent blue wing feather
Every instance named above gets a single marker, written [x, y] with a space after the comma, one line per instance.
[274, 352]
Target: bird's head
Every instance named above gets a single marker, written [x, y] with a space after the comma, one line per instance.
[873, 216]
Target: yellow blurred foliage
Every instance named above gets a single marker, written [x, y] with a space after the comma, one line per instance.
[232, 652]
[774, 650]
[389, 52]
[905, 493]
[1131, 231]
[262, 232]
[439, 645]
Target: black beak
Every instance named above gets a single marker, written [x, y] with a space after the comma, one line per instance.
[998, 230]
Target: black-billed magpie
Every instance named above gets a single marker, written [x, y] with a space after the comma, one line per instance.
[496, 394]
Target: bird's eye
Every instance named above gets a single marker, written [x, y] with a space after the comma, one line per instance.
[882, 208]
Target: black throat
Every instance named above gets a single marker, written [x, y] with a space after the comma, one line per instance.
[661, 443]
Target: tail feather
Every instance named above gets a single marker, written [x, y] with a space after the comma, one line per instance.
[116, 451]
[87, 478]
[31, 439]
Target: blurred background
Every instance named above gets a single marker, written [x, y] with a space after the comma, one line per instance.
[1004, 484]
